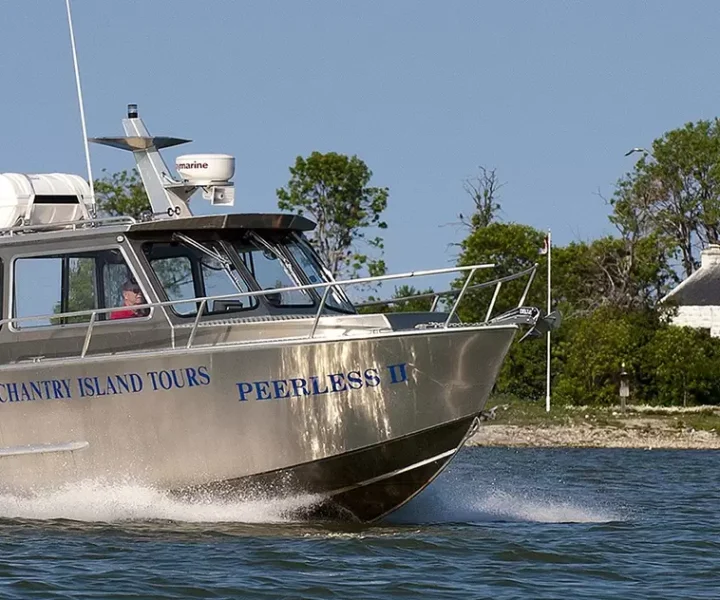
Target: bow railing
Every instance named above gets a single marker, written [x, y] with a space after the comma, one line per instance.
[326, 287]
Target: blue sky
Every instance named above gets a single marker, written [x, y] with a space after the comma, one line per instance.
[552, 94]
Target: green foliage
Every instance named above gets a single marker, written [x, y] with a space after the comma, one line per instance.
[121, 194]
[610, 272]
[667, 364]
[609, 289]
[591, 352]
[686, 366]
[81, 290]
[333, 189]
[674, 193]
[417, 305]
[404, 291]
[511, 248]
[81, 281]
[523, 372]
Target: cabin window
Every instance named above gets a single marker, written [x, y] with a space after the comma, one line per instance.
[48, 287]
[272, 270]
[336, 298]
[176, 277]
[186, 272]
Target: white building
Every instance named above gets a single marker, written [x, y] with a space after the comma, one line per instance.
[698, 297]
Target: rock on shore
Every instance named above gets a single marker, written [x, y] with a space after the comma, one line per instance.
[643, 433]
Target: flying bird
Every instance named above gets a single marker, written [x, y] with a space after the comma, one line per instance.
[629, 152]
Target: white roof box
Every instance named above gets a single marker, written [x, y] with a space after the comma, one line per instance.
[205, 169]
[42, 199]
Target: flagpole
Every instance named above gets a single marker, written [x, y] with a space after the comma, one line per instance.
[549, 308]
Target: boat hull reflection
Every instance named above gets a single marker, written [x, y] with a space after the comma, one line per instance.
[363, 423]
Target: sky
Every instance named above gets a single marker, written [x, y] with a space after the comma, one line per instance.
[551, 94]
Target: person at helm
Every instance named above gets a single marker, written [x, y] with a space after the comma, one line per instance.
[132, 296]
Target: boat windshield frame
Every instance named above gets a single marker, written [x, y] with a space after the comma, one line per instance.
[336, 299]
[225, 247]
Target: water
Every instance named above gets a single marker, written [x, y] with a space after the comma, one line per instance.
[500, 523]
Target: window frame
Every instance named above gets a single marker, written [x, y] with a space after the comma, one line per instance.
[12, 287]
[312, 255]
[299, 273]
[198, 278]
[228, 240]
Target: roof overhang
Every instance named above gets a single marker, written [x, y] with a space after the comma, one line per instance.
[249, 221]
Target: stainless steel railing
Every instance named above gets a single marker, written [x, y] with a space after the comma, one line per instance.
[436, 296]
[327, 287]
[77, 224]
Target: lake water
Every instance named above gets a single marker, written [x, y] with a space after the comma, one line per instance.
[499, 523]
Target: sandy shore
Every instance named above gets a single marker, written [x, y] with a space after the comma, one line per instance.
[636, 433]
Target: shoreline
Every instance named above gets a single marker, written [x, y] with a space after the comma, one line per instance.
[645, 433]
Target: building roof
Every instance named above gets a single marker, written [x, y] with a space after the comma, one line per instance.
[702, 288]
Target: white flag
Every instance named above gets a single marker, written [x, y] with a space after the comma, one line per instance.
[546, 246]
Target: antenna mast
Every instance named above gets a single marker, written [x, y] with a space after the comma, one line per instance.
[82, 110]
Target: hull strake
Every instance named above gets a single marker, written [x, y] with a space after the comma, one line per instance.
[362, 485]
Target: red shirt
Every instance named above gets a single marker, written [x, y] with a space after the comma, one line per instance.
[125, 313]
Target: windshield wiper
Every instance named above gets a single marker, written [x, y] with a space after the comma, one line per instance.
[262, 244]
[226, 263]
[188, 241]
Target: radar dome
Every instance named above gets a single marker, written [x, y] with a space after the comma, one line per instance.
[205, 169]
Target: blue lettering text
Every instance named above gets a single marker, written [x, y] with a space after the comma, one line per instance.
[398, 373]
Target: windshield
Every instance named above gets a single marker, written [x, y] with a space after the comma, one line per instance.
[311, 266]
[188, 268]
[272, 270]
[186, 271]
[288, 261]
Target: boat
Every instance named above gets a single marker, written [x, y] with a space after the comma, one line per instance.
[216, 356]
[240, 364]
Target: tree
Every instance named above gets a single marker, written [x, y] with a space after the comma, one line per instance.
[121, 194]
[483, 189]
[414, 305]
[684, 363]
[333, 190]
[512, 248]
[610, 271]
[81, 292]
[592, 350]
[673, 193]
[410, 305]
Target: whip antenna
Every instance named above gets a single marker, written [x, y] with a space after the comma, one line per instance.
[82, 110]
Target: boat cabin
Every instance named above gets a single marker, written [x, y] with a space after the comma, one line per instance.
[76, 285]
[107, 272]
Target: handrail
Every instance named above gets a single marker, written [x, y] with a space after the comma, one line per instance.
[527, 286]
[327, 285]
[496, 293]
[460, 295]
[191, 339]
[436, 295]
[251, 293]
[319, 311]
[88, 335]
[64, 224]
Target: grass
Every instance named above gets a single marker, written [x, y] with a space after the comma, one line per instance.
[514, 411]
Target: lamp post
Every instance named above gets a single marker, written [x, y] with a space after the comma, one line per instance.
[624, 387]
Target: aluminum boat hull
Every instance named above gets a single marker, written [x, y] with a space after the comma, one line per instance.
[363, 424]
